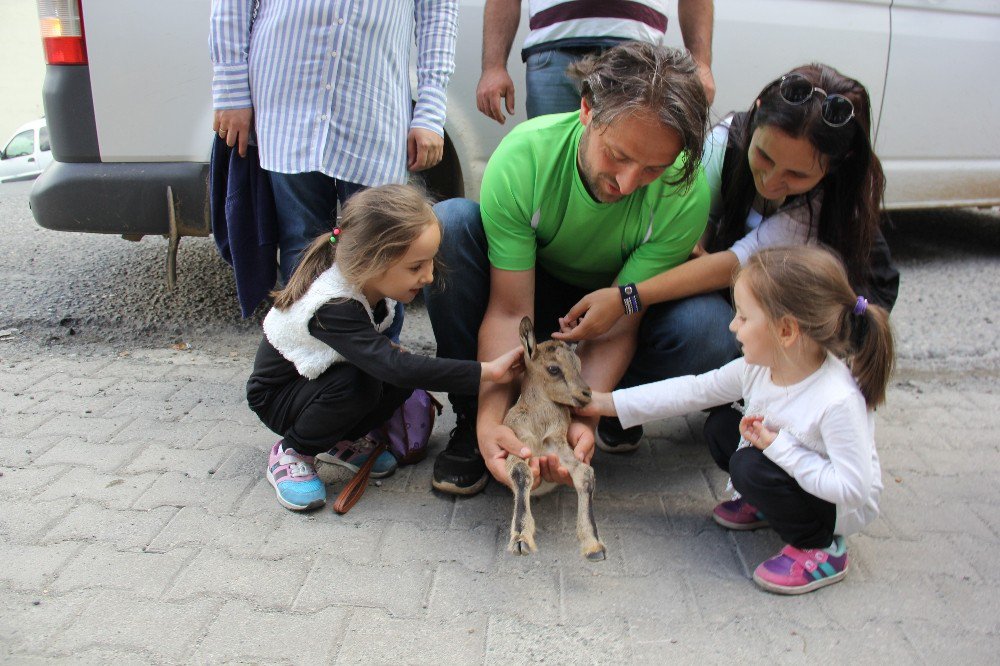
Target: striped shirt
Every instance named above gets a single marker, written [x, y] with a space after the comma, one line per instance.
[577, 22]
[329, 80]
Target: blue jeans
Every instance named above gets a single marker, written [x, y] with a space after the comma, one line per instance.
[306, 204]
[684, 337]
[549, 89]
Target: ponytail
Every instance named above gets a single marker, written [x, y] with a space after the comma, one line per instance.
[316, 259]
[872, 351]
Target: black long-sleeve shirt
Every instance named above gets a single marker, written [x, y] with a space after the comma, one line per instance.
[345, 326]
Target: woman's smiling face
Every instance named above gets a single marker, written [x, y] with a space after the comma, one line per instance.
[783, 166]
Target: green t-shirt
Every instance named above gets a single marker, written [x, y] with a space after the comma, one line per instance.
[535, 207]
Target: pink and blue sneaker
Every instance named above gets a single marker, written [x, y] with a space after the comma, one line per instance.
[294, 479]
[797, 571]
[351, 455]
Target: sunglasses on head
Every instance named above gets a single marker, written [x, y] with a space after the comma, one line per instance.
[836, 109]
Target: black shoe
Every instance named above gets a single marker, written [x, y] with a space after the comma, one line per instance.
[460, 469]
[612, 438]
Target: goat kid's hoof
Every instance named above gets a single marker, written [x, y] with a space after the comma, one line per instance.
[595, 553]
[521, 546]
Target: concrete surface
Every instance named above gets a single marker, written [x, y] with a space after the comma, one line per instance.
[137, 527]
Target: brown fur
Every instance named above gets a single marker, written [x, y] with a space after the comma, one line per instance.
[540, 418]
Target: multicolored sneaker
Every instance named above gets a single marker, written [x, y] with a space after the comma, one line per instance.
[294, 479]
[739, 514]
[352, 455]
[795, 571]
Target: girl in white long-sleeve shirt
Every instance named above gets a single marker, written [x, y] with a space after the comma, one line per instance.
[806, 463]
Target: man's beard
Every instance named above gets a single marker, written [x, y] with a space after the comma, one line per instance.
[591, 180]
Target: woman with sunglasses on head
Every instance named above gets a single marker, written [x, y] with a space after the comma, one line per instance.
[796, 168]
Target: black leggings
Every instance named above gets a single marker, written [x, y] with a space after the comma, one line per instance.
[314, 414]
[800, 519]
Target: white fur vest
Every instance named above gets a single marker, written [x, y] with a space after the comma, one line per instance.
[288, 330]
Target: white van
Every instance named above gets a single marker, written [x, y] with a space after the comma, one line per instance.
[130, 108]
[27, 153]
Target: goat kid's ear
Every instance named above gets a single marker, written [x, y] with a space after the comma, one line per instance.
[527, 333]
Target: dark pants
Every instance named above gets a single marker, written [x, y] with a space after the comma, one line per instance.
[685, 337]
[306, 204]
[800, 519]
[314, 414]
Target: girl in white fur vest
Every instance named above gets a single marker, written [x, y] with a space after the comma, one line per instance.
[324, 373]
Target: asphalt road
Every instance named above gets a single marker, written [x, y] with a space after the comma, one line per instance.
[78, 289]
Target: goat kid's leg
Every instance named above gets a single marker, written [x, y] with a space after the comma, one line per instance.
[522, 525]
[586, 525]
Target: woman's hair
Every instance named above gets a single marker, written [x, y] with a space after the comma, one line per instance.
[853, 186]
[636, 77]
[377, 226]
[809, 284]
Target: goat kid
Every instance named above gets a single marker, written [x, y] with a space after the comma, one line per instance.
[540, 418]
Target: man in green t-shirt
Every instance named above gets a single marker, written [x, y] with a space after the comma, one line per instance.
[574, 210]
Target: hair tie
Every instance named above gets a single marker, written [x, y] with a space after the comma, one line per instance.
[860, 306]
[334, 234]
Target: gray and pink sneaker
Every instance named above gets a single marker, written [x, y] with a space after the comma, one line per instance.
[738, 514]
[294, 479]
[796, 571]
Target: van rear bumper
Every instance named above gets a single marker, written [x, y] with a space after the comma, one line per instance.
[128, 198]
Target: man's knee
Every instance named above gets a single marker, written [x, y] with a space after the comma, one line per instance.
[696, 329]
[459, 215]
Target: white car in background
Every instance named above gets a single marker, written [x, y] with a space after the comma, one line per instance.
[129, 105]
[27, 153]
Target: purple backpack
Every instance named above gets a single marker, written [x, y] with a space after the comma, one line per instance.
[406, 432]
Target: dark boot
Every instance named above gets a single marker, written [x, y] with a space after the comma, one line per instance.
[612, 438]
[460, 469]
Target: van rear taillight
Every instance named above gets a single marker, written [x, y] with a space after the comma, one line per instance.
[61, 23]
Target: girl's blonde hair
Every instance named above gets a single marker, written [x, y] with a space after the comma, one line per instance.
[377, 226]
[809, 284]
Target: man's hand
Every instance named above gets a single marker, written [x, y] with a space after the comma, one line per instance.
[592, 316]
[496, 443]
[707, 81]
[495, 84]
[424, 149]
[581, 438]
[754, 431]
[233, 127]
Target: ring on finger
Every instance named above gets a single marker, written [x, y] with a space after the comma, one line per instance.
[223, 132]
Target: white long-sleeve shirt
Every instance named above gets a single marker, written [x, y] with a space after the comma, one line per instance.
[329, 80]
[826, 433]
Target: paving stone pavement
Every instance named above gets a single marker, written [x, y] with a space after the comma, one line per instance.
[137, 527]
